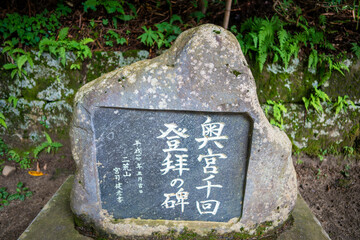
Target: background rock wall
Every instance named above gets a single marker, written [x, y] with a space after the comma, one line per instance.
[45, 97]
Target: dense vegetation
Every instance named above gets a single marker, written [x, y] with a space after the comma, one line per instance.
[320, 33]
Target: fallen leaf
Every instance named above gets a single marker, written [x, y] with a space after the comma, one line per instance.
[35, 173]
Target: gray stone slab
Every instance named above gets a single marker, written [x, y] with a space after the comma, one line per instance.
[305, 226]
[55, 221]
[133, 178]
[204, 73]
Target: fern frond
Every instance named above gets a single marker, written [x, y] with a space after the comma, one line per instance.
[283, 37]
[262, 56]
[313, 59]
[355, 49]
[40, 148]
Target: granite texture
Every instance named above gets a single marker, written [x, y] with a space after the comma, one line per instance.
[204, 71]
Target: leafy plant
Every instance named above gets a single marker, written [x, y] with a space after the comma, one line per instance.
[23, 159]
[21, 194]
[349, 151]
[278, 109]
[62, 45]
[268, 40]
[30, 30]
[317, 97]
[166, 33]
[342, 104]
[18, 58]
[356, 49]
[13, 101]
[62, 9]
[149, 37]
[322, 154]
[2, 120]
[111, 34]
[3, 152]
[318, 174]
[43, 122]
[346, 171]
[197, 15]
[112, 7]
[49, 146]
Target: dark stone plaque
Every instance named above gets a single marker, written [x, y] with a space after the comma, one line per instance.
[171, 165]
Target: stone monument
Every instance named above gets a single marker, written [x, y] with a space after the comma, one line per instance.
[180, 141]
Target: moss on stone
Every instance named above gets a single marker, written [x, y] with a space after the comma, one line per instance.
[131, 53]
[284, 86]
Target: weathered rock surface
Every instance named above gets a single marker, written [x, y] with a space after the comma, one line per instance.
[8, 170]
[204, 71]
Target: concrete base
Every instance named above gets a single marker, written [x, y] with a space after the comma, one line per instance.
[55, 221]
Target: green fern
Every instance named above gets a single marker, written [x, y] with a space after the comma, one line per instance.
[2, 120]
[23, 159]
[322, 20]
[49, 145]
[18, 60]
[316, 99]
[356, 49]
[277, 111]
[342, 104]
[62, 45]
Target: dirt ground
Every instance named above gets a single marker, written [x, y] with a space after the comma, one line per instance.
[15, 218]
[332, 193]
[332, 190]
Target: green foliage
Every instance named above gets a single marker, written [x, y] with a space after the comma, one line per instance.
[318, 175]
[264, 39]
[43, 122]
[346, 171]
[21, 194]
[62, 45]
[317, 97]
[342, 104]
[29, 30]
[277, 110]
[349, 151]
[356, 49]
[112, 7]
[3, 152]
[322, 20]
[22, 158]
[62, 10]
[267, 40]
[197, 15]
[2, 120]
[49, 146]
[113, 35]
[322, 154]
[165, 34]
[13, 101]
[149, 37]
[18, 59]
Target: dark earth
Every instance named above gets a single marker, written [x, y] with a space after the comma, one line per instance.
[333, 195]
[330, 187]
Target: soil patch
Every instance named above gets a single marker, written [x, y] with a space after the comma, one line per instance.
[15, 218]
[332, 193]
[331, 188]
